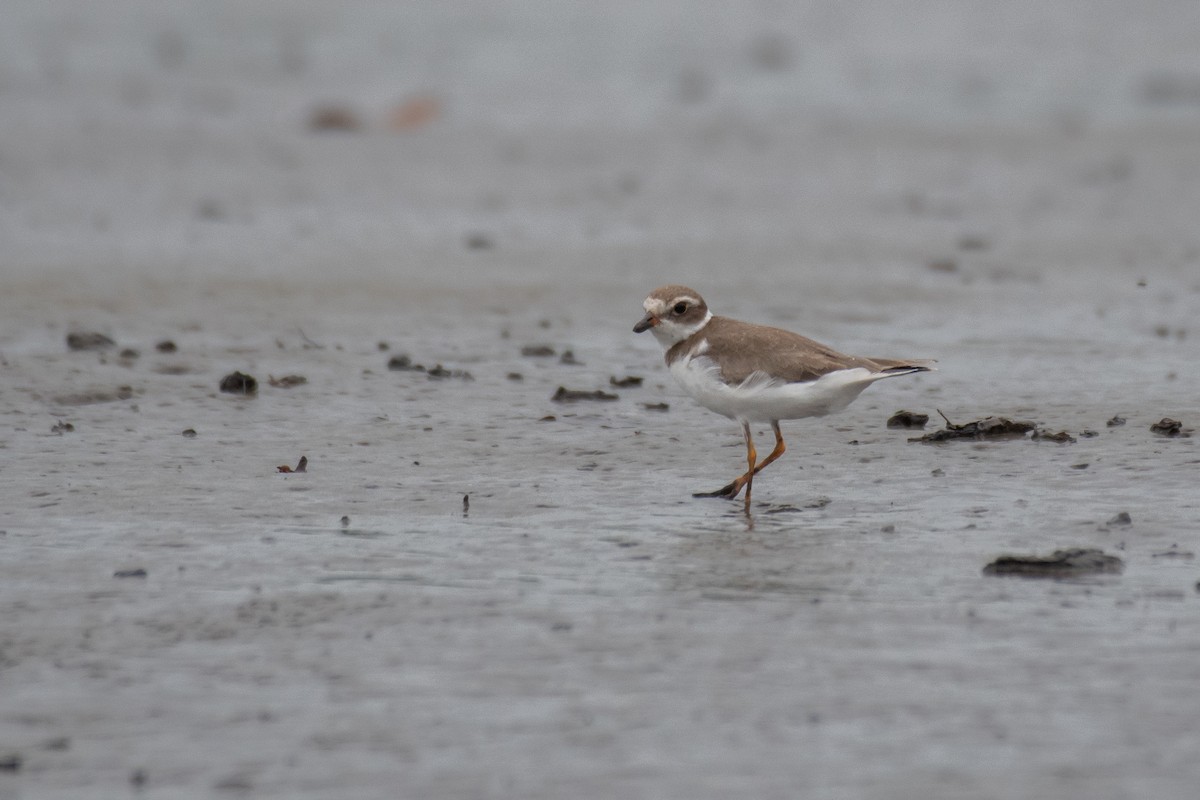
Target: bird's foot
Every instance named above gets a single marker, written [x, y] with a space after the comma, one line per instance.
[729, 490]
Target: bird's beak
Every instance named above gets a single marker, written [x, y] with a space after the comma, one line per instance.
[646, 323]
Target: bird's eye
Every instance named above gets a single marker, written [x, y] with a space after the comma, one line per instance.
[679, 308]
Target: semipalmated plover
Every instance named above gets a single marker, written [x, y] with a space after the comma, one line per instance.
[755, 373]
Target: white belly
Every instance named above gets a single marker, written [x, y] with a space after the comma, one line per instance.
[761, 399]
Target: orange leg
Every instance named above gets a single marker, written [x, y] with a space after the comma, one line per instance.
[732, 489]
[751, 457]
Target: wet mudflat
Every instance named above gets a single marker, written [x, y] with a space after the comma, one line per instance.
[427, 554]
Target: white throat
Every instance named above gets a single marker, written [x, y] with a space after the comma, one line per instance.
[669, 333]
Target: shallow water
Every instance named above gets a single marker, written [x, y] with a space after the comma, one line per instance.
[584, 627]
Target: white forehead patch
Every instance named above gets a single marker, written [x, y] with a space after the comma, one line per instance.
[658, 306]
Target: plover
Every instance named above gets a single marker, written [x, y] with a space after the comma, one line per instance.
[755, 373]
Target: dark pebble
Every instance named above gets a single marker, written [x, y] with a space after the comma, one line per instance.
[907, 419]
[189, 433]
[624, 383]
[166, 346]
[130, 573]
[1122, 518]
[239, 383]
[1169, 427]
[537, 351]
[1115, 421]
[565, 395]
[403, 363]
[89, 340]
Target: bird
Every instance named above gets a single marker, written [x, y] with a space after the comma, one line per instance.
[756, 373]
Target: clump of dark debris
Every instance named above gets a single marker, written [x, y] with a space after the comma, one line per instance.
[565, 395]
[1062, 437]
[1171, 428]
[239, 383]
[1070, 563]
[287, 381]
[907, 419]
[986, 428]
[1116, 421]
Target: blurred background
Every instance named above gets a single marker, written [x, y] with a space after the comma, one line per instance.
[386, 140]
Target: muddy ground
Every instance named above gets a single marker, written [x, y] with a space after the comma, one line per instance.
[476, 591]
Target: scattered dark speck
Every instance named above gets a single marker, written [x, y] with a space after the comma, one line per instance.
[439, 371]
[480, 241]
[166, 346]
[656, 406]
[345, 521]
[333, 118]
[130, 573]
[568, 358]
[10, 762]
[537, 351]
[62, 427]
[515, 376]
[189, 433]
[128, 354]
[626, 382]
[1122, 518]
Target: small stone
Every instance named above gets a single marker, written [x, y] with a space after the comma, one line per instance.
[239, 383]
[1122, 518]
[130, 573]
[89, 340]
[907, 419]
